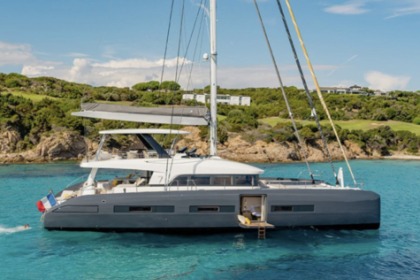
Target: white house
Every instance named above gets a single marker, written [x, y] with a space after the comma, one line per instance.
[343, 90]
[221, 98]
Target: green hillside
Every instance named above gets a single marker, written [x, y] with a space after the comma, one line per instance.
[364, 125]
[36, 106]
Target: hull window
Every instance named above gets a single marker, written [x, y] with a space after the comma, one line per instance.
[292, 208]
[137, 209]
[77, 209]
[224, 208]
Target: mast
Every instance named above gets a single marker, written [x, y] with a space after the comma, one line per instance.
[213, 80]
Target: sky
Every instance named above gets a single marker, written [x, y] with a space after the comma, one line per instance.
[370, 43]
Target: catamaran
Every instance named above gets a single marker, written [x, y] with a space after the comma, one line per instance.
[174, 191]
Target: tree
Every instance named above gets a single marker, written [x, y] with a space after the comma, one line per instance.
[14, 80]
[170, 85]
[146, 86]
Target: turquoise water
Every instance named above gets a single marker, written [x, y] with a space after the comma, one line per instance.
[393, 252]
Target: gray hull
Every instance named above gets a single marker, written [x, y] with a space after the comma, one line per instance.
[215, 210]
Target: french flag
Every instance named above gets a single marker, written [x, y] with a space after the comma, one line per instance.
[46, 202]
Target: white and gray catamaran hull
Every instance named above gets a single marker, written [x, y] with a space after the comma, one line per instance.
[215, 210]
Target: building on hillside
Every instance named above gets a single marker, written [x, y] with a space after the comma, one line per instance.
[197, 97]
[338, 90]
[355, 89]
[379, 93]
[240, 100]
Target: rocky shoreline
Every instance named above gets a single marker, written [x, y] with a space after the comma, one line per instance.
[58, 146]
[65, 146]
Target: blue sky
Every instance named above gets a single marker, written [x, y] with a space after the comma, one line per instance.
[372, 43]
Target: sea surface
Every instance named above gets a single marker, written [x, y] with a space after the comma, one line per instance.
[392, 252]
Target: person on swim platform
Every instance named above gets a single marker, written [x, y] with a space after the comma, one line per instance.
[255, 211]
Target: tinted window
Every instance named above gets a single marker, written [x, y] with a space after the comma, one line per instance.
[204, 209]
[77, 209]
[242, 180]
[222, 181]
[200, 180]
[141, 208]
[180, 181]
[292, 208]
[212, 208]
[279, 208]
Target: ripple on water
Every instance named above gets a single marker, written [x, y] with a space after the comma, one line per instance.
[389, 253]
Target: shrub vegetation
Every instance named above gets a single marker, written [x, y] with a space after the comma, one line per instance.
[31, 117]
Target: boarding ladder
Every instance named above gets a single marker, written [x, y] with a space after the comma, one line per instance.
[261, 232]
[261, 226]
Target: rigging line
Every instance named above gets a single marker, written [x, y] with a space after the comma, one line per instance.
[305, 85]
[85, 132]
[189, 42]
[166, 137]
[168, 169]
[170, 159]
[179, 39]
[315, 80]
[198, 40]
[163, 68]
[289, 109]
[177, 76]
[166, 44]
[204, 19]
[195, 50]
[171, 124]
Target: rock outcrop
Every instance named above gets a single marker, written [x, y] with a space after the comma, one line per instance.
[235, 148]
[57, 146]
[65, 145]
[9, 140]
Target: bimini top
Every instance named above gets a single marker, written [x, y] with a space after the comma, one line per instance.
[161, 115]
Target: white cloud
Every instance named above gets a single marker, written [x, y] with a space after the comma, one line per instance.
[355, 7]
[15, 54]
[126, 73]
[408, 7]
[76, 54]
[344, 83]
[247, 77]
[342, 65]
[257, 76]
[386, 82]
[139, 63]
[119, 73]
[122, 82]
[128, 63]
[36, 70]
[81, 70]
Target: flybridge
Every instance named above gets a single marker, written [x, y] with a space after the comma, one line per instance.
[161, 115]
